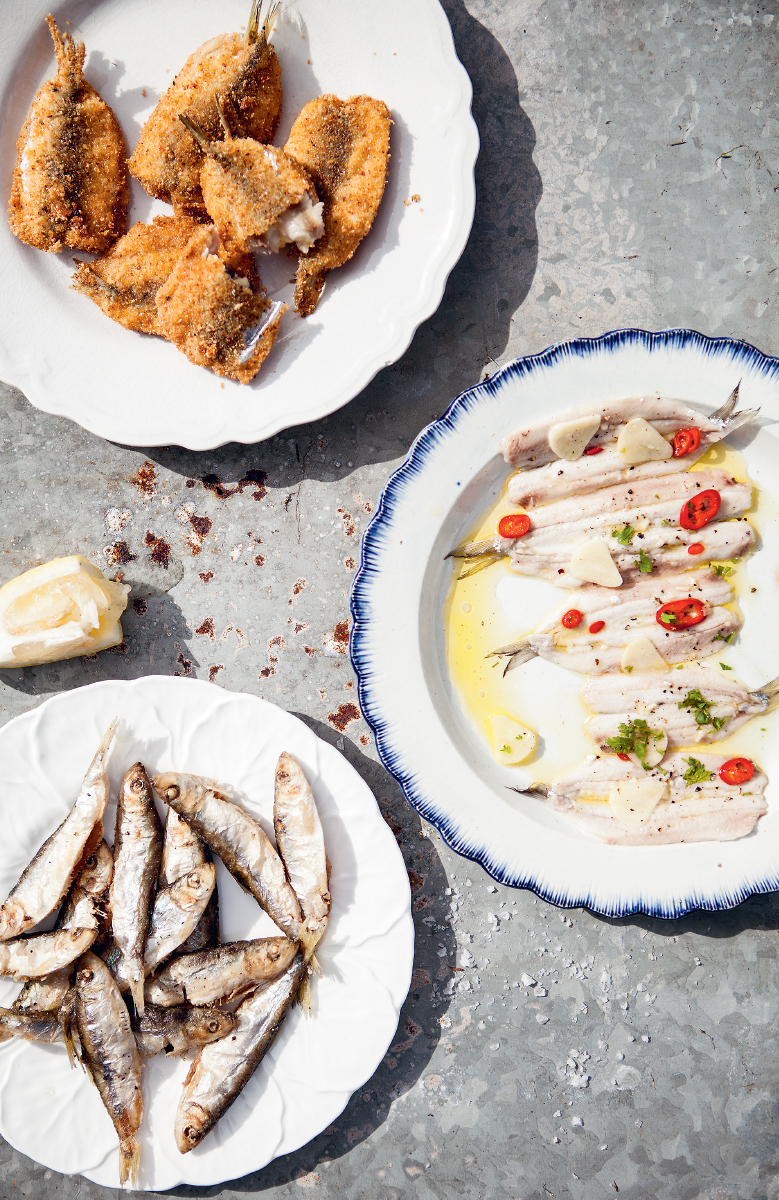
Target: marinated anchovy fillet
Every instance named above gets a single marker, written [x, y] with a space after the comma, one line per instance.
[705, 809]
[221, 973]
[175, 1030]
[51, 872]
[34, 1025]
[111, 1056]
[222, 1069]
[301, 844]
[182, 852]
[137, 853]
[344, 147]
[70, 183]
[239, 840]
[239, 70]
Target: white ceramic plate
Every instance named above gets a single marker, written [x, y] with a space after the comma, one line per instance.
[52, 1113]
[452, 474]
[70, 359]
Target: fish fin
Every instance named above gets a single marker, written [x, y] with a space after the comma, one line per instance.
[66, 1016]
[724, 410]
[486, 561]
[512, 648]
[473, 549]
[252, 29]
[305, 995]
[308, 944]
[194, 129]
[267, 26]
[129, 1160]
[136, 991]
[731, 424]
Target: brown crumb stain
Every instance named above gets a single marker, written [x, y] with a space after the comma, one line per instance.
[255, 479]
[420, 978]
[186, 665]
[140, 606]
[274, 644]
[145, 478]
[421, 903]
[159, 549]
[201, 525]
[119, 552]
[348, 523]
[341, 633]
[364, 739]
[299, 626]
[206, 576]
[349, 563]
[214, 671]
[191, 483]
[349, 685]
[259, 561]
[364, 504]
[343, 716]
[298, 586]
[416, 197]
[206, 629]
[310, 651]
[120, 649]
[417, 881]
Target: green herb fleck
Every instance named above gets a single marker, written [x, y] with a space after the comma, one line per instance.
[722, 637]
[665, 521]
[518, 737]
[495, 664]
[700, 707]
[505, 749]
[696, 772]
[628, 670]
[643, 562]
[722, 569]
[668, 618]
[624, 535]
[634, 739]
[725, 667]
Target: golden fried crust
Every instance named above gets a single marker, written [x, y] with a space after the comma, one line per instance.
[246, 77]
[210, 314]
[124, 283]
[246, 186]
[70, 183]
[344, 145]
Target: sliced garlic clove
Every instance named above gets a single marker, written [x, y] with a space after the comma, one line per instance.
[642, 655]
[640, 442]
[512, 741]
[593, 563]
[568, 439]
[654, 751]
[634, 800]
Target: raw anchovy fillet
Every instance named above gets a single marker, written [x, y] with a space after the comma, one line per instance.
[221, 973]
[111, 1056]
[54, 867]
[222, 1069]
[701, 812]
[137, 852]
[173, 1031]
[239, 841]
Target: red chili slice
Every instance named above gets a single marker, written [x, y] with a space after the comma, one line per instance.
[593, 450]
[515, 525]
[686, 441]
[681, 614]
[700, 509]
[624, 757]
[597, 626]
[696, 548]
[572, 618]
[736, 771]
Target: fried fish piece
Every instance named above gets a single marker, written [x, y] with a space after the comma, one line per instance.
[215, 315]
[242, 70]
[257, 196]
[70, 182]
[344, 145]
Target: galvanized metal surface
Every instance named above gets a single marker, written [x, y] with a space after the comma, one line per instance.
[627, 177]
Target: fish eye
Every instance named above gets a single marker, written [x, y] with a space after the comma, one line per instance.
[213, 1026]
[172, 793]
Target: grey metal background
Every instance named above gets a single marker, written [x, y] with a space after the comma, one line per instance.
[627, 177]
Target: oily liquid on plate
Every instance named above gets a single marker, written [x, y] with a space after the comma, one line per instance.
[475, 622]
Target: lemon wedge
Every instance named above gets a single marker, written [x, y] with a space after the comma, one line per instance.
[61, 609]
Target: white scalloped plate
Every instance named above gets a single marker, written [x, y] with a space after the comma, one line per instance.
[425, 737]
[71, 360]
[53, 1114]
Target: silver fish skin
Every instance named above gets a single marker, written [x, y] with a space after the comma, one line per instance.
[221, 973]
[173, 1031]
[52, 870]
[34, 1025]
[111, 1056]
[222, 1069]
[241, 843]
[301, 844]
[33, 957]
[137, 853]
[177, 910]
[182, 852]
[45, 994]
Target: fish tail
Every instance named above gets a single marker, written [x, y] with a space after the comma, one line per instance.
[273, 11]
[252, 29]
[108, 738]
[194, 129]
[136, 991]
[308, 944]
[129, 1160]
[305, 995]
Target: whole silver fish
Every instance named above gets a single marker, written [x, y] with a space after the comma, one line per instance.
[182, 852]
[221, 973]
[46, 994]
[34, 1026]
[177, 910]
[52, 870]
[222, 1069]
[175, 1030]
[137, 853]
[111, 1056]
[240, 842]
[301, 844]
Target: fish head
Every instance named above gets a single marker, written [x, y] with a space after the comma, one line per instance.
[12, 919]
[208, 1025]
[181, 792]
[192, 1125]
[98, 871]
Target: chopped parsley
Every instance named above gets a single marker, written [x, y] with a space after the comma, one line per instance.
[505, 749]
[725, 667]
[634, 739]
[722, 569]
[696, 772]
[700, 707]
[722, 637]
[668, 618]
[665, 521]
[643, 562]
[624, 535]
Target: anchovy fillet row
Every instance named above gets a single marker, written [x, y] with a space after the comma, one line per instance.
[51, 872]
[221, 973]
[137, 852]
[241, 843]
[222, 1069]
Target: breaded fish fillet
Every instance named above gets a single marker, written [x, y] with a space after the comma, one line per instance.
[257, 196]
[215, 315]
[125, 281]
[70, 183]
[344, 145]
[242, 70]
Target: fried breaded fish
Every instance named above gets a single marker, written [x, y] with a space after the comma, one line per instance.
[125, 281]
[344, 145]
[242, 70]
[215, 315]
[70, 182]
[257, 196]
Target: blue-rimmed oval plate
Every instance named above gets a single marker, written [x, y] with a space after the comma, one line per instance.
[426, 735]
